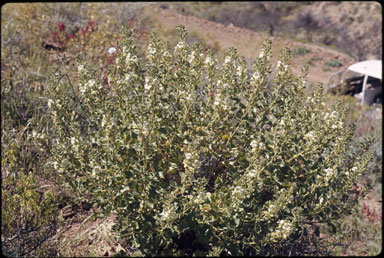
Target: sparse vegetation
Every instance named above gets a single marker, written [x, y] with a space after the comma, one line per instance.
[300, 51]
[333, 63]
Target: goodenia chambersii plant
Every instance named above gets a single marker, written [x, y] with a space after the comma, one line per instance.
[198, 157]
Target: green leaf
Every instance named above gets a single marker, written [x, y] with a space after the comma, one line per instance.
[163, 130]
[333, 227]
[128, 174]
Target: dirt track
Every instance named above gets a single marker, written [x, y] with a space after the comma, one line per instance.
[248, 42]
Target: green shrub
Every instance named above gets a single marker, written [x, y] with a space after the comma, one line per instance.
[29, 210]
[300, 51]
[196, 158]
[333, 63]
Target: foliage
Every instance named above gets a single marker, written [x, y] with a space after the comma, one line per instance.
[34, 37]
[28, 211]
[300, 51]
[199, 158]
[333, 63]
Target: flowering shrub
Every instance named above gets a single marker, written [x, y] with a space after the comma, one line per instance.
[200, 158]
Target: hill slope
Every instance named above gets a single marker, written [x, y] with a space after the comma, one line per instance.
[248, 43]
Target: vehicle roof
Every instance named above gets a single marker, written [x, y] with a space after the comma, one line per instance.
[371, 68]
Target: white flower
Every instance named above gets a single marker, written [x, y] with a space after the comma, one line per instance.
[50, 103]
[261, 54]
[227, 59]
[252, 173]
[191, 57]
[310, 136]
[254, 144]
[180, 45]
[151, 49]
[80, 68]
[238, 190]
[55, 165]
[188, 156]
[147, 86]
[354, 169]
[111, 50]
[165, 214]
[256, 76]
[333, 114]
[329, 172]
[103, 121]
[239, 71]
[208, 61]
[208, 194]
[130, 59]
[91, 83]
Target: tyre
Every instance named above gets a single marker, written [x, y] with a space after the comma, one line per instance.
[373, 95]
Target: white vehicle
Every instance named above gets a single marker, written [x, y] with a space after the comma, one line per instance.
[362, 80]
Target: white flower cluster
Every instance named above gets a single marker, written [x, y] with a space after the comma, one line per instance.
[208, 61]
[227, 59]
[202, 197]
[50, 102]
[191, 161]
[149, 82]
[80, 69]
[89, 85]
[254, 145]
[329, 172]
[310, 136]
[354, 170]
[95, 171]
[252, 173]
[272, 211]
[284, 228]
[130, 59]
[332, 119]
[221, 100]
[151, 49]
[75, 144]
[240, 70]
[282, 67]
[180, 46]
[169, 214]
[191, 57]
[256, 78]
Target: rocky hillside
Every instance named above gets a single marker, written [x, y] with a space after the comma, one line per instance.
[248, 43]
[354, 27]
